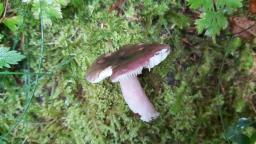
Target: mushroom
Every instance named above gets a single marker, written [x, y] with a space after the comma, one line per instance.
[123, 66]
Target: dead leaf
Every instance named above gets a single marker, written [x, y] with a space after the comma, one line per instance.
[116, 5]
[186, 41]
[243, 27]
[252, 6]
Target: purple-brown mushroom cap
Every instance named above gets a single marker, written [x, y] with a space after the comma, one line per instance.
[127, 61]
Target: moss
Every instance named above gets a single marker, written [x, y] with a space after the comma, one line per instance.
[68, 109]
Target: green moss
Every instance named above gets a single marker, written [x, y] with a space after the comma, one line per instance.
[68, 109]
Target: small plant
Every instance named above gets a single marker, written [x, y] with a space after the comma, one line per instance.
[50, 9]
[213, 17]
[8, 57]
[11, 21]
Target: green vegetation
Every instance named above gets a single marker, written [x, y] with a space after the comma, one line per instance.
[9, 57]
[212, 18]
[203, 90]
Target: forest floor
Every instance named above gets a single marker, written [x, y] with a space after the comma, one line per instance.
[204, 90]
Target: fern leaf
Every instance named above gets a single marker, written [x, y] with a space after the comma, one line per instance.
[195, 4]
[51, 10]
[8, 57]
[229, 5]
[212, 22]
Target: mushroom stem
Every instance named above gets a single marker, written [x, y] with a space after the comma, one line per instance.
[137, 100]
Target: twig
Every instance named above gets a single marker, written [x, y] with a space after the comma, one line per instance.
[214, 5]
[245, 30]
[5, 10]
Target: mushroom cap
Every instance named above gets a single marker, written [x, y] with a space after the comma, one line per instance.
[127, 61]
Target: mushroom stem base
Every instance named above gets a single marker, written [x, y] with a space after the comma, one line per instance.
[137, 100]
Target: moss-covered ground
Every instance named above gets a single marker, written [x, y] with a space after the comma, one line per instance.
[201, 90]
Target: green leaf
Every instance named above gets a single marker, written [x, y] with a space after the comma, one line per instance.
[1, 8]
[8, 57]
[12, 23]
[234, 3]
[212, 22]
[229, 5]
[213, 17]
[194, 4]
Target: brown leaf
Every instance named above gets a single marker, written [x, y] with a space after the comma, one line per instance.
[116, 5]
[243, 27]
[252, 6]
[186, 41]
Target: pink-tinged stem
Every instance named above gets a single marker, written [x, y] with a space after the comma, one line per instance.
[137, 100]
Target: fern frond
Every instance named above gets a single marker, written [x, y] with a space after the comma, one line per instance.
[8, 57]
